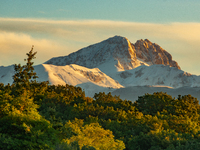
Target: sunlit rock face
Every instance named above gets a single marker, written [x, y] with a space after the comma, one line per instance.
[153, 53]
[117, 53]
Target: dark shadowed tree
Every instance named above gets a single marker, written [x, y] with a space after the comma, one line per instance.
[25, 74]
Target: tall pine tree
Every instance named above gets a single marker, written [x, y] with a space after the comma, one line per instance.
[24, 75]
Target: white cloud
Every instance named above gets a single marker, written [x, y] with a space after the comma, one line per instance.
[179, 39]
[181, 31]
[14, 47]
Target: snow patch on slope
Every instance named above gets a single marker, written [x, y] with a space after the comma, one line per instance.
[156, 75]
[74, 75]
[69, 74]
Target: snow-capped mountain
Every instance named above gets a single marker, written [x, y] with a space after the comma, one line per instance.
[117, 54]
[118, 66]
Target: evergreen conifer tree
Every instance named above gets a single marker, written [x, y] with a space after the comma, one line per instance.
[24, 75]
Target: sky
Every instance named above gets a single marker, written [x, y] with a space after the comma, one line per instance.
[60, 27]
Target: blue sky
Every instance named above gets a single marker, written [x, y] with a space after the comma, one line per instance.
[59, 27]
[156, 11]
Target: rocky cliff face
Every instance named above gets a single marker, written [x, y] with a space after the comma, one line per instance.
[153, 53]
[117, 52]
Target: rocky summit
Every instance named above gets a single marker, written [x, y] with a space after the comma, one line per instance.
[153, 53]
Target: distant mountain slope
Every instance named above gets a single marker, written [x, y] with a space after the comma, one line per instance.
[132, 92]
[69, 74]
[117, 54]
[6, 74]
[93, 80]
[156, 75]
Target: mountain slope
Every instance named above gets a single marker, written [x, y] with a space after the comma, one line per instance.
[69, 74]
[74, 75]
[6, 74]
[156, 75]
[117, 54]
[132, 92]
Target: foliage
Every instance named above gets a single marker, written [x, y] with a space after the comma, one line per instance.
[21, 126]
[157, 102]
[124, 119]
[90, 135]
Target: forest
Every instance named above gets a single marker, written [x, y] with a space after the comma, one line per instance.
[37, 115]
